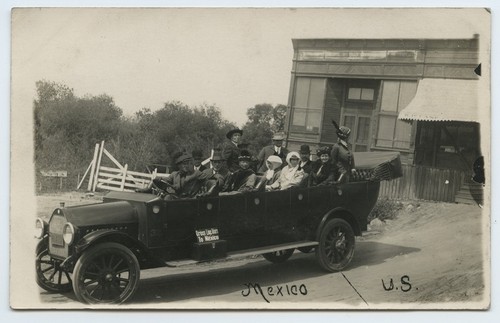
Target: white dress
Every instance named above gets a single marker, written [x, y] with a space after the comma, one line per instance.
[289, 177]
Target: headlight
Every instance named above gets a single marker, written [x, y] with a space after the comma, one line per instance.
[68, 233]
[39, 228]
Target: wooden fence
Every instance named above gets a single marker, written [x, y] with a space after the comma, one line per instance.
[424, 183]
[117, 178]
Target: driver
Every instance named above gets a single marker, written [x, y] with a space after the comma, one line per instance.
[185, 182]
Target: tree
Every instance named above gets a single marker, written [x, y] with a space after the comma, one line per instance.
[67, 127]
[263, 121]
[178, 127]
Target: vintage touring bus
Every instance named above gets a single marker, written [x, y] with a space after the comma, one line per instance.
[98, 250]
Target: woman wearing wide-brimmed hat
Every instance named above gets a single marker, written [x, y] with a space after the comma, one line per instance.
[342, 157]
[244, 178]
[230, 149]
[322, 170]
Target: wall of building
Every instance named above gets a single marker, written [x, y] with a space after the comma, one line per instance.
[328, 74]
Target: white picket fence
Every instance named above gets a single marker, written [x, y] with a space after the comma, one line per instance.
[118, 178]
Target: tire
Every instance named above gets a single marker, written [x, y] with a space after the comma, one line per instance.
[336, 245]
[106, 273]
[49, 273]
[278, 256]
[306, 249]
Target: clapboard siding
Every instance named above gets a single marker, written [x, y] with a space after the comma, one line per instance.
[424, 183]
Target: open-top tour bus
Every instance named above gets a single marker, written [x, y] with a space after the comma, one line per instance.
[98, 250]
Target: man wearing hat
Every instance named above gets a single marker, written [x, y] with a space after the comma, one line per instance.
[305, 161]
[186, 182]
[274, 149]
[217, 174]
[198, 158]
[342, 158]
[243, 179]
[230, 149]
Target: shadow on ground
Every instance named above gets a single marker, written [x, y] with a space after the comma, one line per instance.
[221, 281]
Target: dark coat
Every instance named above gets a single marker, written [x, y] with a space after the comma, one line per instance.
[215, 181]
[307, 167]
[343, 161]
[186, 185]
[221, 176]
[231, 152]
[242, 180]
[268, 151]
[321, 175]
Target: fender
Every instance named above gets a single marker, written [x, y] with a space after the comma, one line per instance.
[341, 213]
[42, 244]
[96, 237]
[107, 235]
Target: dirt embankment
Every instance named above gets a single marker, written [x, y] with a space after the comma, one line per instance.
[449, 264]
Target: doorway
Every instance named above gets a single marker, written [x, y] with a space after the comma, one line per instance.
[357, 113]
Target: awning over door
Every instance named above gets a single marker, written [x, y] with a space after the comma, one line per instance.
[444, 100]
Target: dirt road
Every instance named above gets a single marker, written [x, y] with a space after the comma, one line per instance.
[430, 256]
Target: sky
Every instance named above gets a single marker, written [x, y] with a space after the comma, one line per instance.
[232, 58]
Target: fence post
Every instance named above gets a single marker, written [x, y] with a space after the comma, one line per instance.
[98, 164]
[93, 163]
[122, 186]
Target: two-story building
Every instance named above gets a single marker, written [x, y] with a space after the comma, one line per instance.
[415, 96]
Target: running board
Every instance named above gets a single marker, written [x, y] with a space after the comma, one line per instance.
[248, 252]
[260, 251]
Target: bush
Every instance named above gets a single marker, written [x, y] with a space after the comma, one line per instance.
[385, 209]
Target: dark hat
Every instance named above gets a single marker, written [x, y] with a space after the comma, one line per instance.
[323, 150]
[232, 132]
[304, 149]
[343, 132]
[197, 154]
[181, 156]
[217, 155]
[245, 155]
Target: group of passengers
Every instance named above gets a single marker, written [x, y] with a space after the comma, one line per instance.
[233, 169]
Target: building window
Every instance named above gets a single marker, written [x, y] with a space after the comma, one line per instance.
[356, 93]
[452, 145]
[360, 127]
[394, 133]
[308, 104]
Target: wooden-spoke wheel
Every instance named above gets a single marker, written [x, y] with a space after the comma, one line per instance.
[106, 273]
[278, 256]
[50, 275]
[336, 245]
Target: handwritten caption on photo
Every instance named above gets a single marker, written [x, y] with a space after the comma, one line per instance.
[274, 291]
